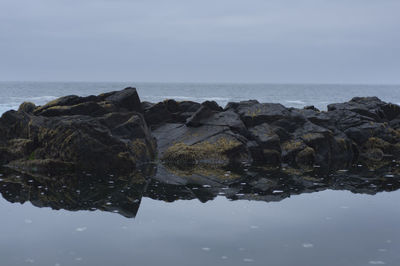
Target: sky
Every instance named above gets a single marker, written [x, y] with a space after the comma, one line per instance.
[252, 41]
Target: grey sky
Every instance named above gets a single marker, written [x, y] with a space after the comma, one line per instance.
[318, 41]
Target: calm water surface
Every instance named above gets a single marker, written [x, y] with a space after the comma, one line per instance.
[164, 218]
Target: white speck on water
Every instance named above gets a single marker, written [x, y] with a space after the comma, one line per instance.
[328, 218]
[382, 250]
[254, 227]
[124, 227]
[242, 249]
[81, 229]
[344, 207]
[29, 260]
[277, 191]
[28, 221]
[389, 241]
[78, 259]
[224, 257]
[376, 262]
[206, 249]
[57, 264]
[248, 260]
[308, 245]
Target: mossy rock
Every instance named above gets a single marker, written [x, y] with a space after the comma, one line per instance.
[306, 157]
[217, 152]
[27, 107]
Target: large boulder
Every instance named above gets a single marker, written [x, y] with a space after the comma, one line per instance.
[77, 133]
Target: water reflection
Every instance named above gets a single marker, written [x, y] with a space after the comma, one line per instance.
[123, 194]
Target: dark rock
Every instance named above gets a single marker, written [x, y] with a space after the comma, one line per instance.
[77, 135]
[27, 107]
[311, 107]
[253, 113]
[168, 111]
[201, 114]
[214, 145]
[110, 132]
[127, 98]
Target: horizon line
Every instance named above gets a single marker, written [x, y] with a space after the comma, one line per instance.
[207, 82]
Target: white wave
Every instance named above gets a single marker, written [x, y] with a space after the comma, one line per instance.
[33, 99]
[295, 101]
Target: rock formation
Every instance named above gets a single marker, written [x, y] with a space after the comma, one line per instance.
[102, 133]
[116, 132]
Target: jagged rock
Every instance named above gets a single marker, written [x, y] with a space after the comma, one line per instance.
[74, 134]
[254, 113]
[115, 131]
[168, 111]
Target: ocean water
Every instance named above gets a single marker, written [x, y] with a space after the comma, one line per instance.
[293, 95]
[349, 218]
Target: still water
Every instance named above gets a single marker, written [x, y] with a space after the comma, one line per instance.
[160, 217]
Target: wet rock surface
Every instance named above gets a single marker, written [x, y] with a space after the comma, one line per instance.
[116, 132]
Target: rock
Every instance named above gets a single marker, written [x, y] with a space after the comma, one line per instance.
[200, 115]
[253, 113]
[268, 142]
[86, 108]
[27, 107]
[114, 131]
[169, 111]
[306, 158]
[311, 107]
[127, 98]
[79, 135]
[214, 145]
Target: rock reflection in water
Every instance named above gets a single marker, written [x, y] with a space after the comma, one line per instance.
[123, 194]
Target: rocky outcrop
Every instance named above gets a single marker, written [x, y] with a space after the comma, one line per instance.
[116, 132]
[364, 130]
[94, 133]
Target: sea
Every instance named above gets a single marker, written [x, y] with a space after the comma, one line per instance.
[308, 220]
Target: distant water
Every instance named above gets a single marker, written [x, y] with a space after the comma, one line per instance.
[291, 95]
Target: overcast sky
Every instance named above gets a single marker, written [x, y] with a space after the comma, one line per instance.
[275, 41]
